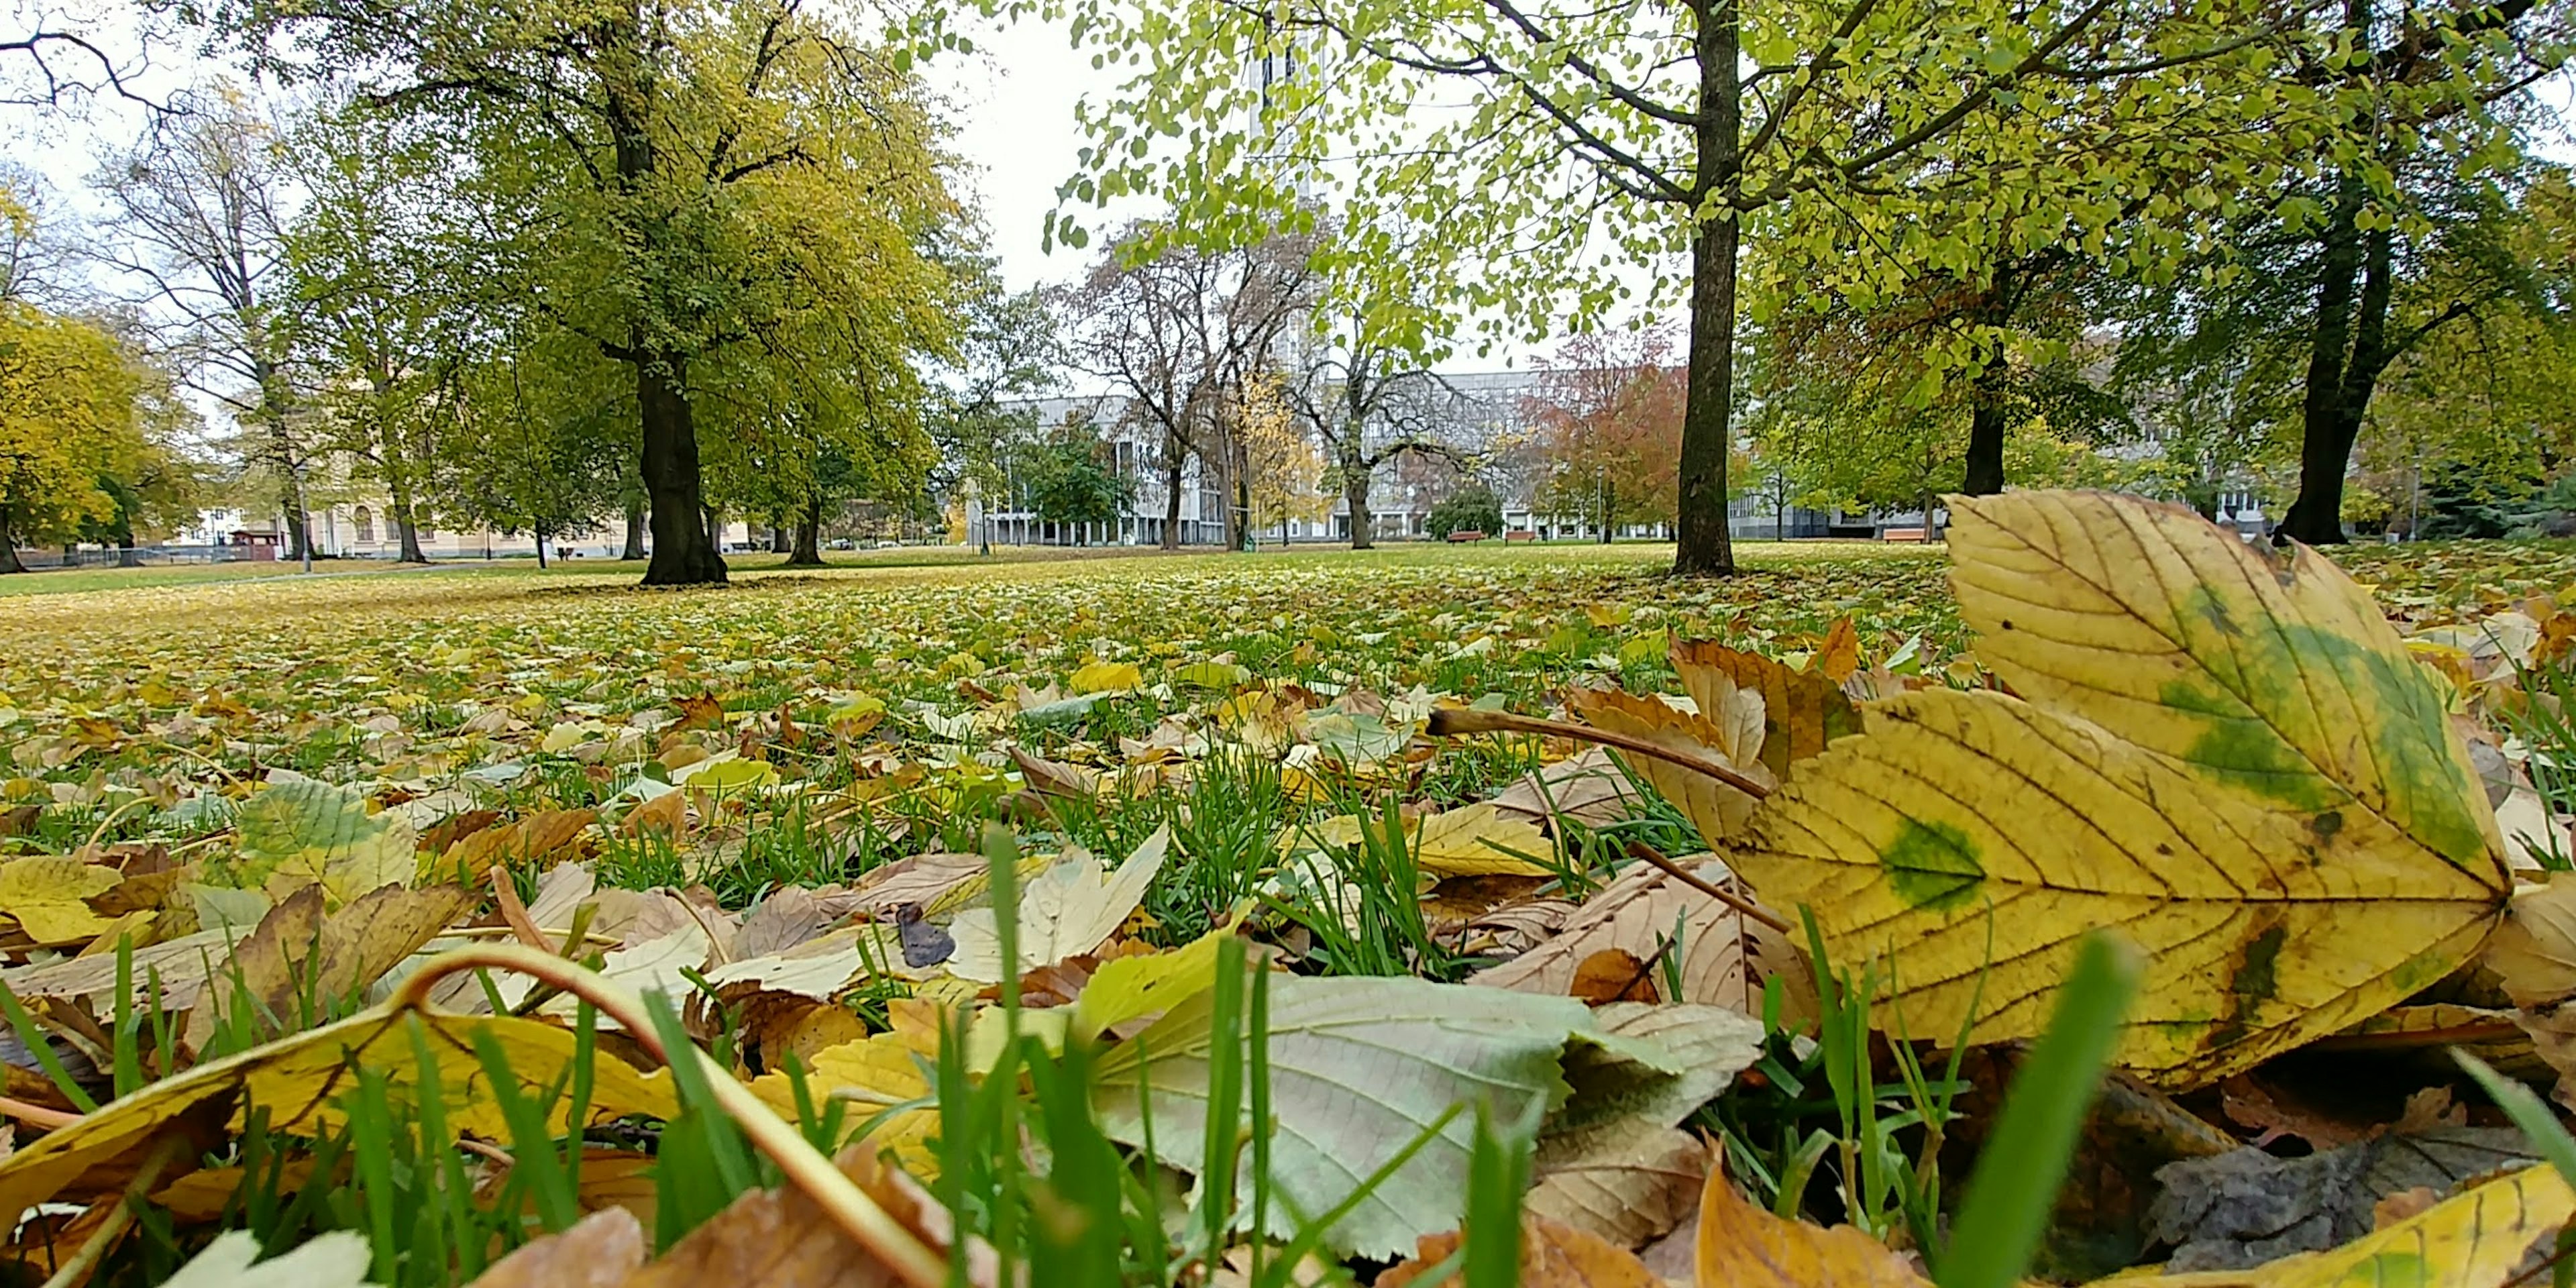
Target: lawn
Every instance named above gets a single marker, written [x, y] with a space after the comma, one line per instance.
[791, 799]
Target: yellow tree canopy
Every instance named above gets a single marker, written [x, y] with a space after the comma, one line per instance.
[67, 416]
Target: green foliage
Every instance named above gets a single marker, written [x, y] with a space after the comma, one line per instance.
[1472, 508]
[1069, 477]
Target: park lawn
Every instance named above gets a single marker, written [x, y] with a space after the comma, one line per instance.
[251, 753]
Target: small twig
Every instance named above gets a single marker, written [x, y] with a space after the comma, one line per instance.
[514, 914]
[1640, 850]
[859, 1216]
[77, 1270]
[1450, 722]
[488, 1152]
[37, 1115]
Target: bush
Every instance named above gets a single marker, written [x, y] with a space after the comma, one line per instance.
[1473, 508]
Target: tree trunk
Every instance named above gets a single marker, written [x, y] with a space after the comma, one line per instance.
[1355, 493]
[634, 528]
[1172, 495]
[683, 555]
[1702, 544]
[809, 537]
[8, 544]
[780, 540]
[541, 547]
[302, 517]
[2316, 516]
[1985, 436]
[406, 527]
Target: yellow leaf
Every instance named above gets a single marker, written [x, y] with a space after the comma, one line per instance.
[1127, 988]
[2475, 1239]
[561, 738]
[1481, 840]
[871, 1076]
[1065, 911]
[298, 1081]
[300, 832]
[46, 893]
[1106, 677]
[2228, 758]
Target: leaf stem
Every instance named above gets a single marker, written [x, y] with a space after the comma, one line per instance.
[36, 1115]
[849, 1207]
[1450, 722]
[1640, 850]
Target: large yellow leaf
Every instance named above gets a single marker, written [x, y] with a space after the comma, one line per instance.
[1482, 839]
[2288, 861]
[2276, 677]
[1742, 1246]
[298, 1081]
[2477, 1238]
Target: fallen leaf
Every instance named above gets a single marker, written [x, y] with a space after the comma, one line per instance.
[1839, 656]
[1801, 711]
[1730, 734]
[2478, 1238]
[302, 832]
[2294, 853]
[1105, 677]
[1589, 788]
[1066, 910]
[541, 839]
[296, 1080]
[1725, 956]
[1612, 975]
[599, 1251]
[1742, 1246]
[1552, 1256]
[47, 893]
[338, 1259]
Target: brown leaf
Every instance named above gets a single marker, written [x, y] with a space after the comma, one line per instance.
[1725, 955]
[2403, 1205]
[542, 839]
[699, 711]
[1055, 778]
[296, 951]
[2250, 1104]
[917, 882]
[1742, 1246]
[1839, 655]
[601, 1250]
[446, 832]
[1612, 975]
[666, 814]
[1552, 1256]
[763, 1239]
[1801, 710]
[1730, 734]
[1589, 788]
[1627, 1181]
[789, 917]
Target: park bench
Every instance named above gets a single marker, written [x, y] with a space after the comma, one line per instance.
[1520, 534]
[1466, 534]
[1901, 534]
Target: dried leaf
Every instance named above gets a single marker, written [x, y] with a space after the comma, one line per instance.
[1069, 909]
[1552, 1256]
[1742, 1246]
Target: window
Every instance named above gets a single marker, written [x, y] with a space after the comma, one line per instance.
[366, 520]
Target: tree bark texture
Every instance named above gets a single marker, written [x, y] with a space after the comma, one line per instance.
[683, 554]
[1702, 543]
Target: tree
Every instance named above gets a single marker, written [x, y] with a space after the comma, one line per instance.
[1280, 467]
[1473, 508]
[380, 294]
[67, 426]
[2380, 238]
[1656, 135]
[1068, 479]
[1371, 404]
[528, 452]
[1008, 352]
[1608, 411]
[201, 202]
[702, 187]
[1176, 332]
